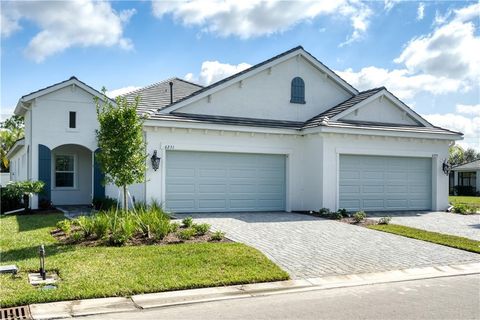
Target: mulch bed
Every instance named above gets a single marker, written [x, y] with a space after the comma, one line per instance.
[364, 223]
[137, 240]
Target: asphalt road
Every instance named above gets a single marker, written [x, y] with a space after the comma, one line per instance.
[440, 298]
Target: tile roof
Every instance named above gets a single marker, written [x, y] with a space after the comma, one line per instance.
[474, 165]
[157, 96]
[226, 120]
[339, 108]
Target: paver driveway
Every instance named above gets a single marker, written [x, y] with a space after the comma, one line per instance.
[306, 246]
[467, 226]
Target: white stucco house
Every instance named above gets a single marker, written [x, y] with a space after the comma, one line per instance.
[467, 176]
[286, 134]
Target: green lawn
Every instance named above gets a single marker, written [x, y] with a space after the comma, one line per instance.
[467, 200]
[439, 238]
[88, 272]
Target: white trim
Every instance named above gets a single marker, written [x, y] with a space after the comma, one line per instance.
[18, 145]
[75, 171]
[26, 99]
[393, 99]
[300, 52]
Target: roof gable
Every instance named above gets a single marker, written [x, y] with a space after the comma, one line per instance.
[262, 66]
[20, 110]
[393, 102]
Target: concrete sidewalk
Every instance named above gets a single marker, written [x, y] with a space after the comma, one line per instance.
[67, 309]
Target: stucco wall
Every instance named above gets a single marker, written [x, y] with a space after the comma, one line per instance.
[380, 110]
[266, 95]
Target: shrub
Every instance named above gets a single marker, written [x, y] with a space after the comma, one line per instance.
[101, 225]
[201, 229]
[11, 199]
[160, 229]
[77, 236]
[174, 226]
[218, 235]
[187, 222]
[464, 190]
[460, 208]
[324, 211]
[343, 212]
[384, 220]
[85, 224]
[186, 234]
[336, 215]
[123, 231]
[65, 226]
[104, 203]
[359, 216]
[150, 218]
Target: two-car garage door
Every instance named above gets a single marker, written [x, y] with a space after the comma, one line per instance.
[380, 183]
[221, 182]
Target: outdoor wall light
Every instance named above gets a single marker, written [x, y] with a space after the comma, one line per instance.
[155, 160]
[446, 167]
[41, 253]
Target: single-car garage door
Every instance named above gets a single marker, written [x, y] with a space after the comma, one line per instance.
[385, 183]
[221, 182]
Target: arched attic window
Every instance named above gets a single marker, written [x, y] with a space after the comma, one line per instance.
[297, 94]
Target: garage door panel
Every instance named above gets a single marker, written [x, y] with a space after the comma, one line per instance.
[214, 173]
[216, 181]
[384, 183]
[211, 188]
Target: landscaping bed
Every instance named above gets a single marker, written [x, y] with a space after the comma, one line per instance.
[87, 271]
[464, 204]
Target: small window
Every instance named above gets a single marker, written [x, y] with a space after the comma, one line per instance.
[297, 91]
[72, 121]
[64, 171]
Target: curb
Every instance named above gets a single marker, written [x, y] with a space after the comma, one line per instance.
[68, 309]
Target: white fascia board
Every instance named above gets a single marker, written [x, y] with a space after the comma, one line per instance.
[390, 97]
[218, 127]
[58, 87]
[388, 132]
[257, 70]
[16, 147]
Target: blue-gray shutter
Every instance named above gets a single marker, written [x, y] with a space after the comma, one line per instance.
[98, 177]
[45, 171]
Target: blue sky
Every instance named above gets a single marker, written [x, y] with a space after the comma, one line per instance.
[424, 52]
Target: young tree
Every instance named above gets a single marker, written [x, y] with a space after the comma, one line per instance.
[456, 155]
[120, 139]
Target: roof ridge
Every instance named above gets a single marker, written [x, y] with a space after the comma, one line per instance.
[148, 86]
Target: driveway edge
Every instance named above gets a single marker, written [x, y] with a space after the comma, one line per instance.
[67, 309]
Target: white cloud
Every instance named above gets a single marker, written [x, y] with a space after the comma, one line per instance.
[468, 109]
[213, 71]
[389, 4]
[254, 18]
[65, 24]
[420, 11]
[469, 126]
[399, 81]
[444, 61]
[120, 91]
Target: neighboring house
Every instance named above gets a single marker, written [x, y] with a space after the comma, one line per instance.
[286, 134]
[465, 179]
